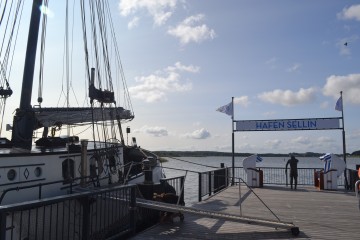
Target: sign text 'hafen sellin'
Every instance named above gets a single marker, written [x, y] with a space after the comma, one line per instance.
[288, 124]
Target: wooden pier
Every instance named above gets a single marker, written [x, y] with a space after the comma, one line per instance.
[318, 214]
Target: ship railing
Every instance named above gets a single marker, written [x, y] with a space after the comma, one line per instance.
[97, 214]
[67, 185]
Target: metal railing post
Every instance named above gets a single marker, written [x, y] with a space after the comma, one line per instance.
[182, 184]
[357, 191]
[85, 218]
[132, 210]
[40, 186]
[200, 187]
[209, 187]
[2, 225]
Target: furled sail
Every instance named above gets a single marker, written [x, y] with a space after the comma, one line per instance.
[47, 117]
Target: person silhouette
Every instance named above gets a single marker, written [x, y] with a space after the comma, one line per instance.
[293, 170]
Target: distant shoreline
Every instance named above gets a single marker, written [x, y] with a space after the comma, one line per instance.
[214, 153]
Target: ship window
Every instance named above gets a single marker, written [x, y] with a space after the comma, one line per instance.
[11, 175]
[38, 171]
[68, 170]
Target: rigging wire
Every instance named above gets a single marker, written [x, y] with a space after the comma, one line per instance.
[4, 68]
[7, 24]
[127, 100]
[42, 55]
[3, 13]
[181, 160]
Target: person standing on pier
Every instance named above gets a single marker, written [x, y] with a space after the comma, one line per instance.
[293, 170]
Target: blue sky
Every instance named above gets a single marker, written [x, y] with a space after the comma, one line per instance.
[279, 59]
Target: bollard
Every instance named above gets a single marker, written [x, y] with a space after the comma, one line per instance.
[148, 172]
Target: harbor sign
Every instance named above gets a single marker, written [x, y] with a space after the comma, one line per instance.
[288, 124]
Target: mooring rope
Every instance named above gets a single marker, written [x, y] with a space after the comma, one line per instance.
[203, 165]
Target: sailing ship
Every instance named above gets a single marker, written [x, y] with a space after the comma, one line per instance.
[38, 153]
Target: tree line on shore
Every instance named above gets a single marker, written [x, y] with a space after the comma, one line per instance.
[214, 153]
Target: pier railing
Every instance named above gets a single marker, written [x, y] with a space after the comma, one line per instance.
[177, 183]
[212, 181]
[277, 176]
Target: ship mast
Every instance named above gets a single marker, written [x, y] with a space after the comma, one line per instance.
[24, 120]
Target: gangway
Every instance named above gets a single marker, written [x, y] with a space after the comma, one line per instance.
[161, 206]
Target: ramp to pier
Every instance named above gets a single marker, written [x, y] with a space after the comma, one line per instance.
[161, 206]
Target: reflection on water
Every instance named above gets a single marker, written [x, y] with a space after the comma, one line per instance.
[192, 177]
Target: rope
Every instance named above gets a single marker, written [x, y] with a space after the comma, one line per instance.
[181, 160]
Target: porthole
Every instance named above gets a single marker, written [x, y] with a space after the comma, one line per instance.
[11, 175]
[38, 171]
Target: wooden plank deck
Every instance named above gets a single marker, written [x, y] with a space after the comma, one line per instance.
[318, 214]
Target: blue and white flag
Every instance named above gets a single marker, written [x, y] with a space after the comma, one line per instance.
[259, 159]
[227, 109]
[339, 104]
[327, 162]
[325, 157]
[327, 165]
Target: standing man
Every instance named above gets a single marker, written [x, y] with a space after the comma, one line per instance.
[293, 170]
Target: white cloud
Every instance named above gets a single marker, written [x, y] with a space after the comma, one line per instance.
[154, 131]
[349, 84]
[270, 113]
[354, 134]
[180, 67]
[155, 87]
[133, 23]
[272, 62]
[245, 147]
[325, 140]
[301, 140]
[243, 101]
[159, 10]
[274, 143]
[187, 31]
[352, 12]
[324, 105]
[294, 67]
[198, 134]
[288, 97]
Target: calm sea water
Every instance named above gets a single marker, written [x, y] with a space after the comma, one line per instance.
[198, 164]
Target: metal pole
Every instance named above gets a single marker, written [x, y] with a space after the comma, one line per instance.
[343, 139]
[200, 187]
[233, 143]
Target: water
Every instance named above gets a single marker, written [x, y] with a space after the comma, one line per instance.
[192, 178]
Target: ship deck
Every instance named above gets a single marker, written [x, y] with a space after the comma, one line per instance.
[318, 215]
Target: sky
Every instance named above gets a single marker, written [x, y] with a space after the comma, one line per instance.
[279, 59]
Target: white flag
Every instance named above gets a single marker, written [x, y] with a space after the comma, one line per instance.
[227, 109]
[339, 104]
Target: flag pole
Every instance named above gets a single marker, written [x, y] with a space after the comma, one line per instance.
[233, 140]
[343, 139]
